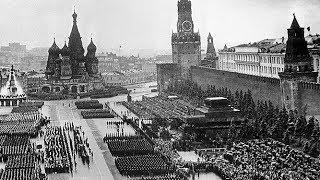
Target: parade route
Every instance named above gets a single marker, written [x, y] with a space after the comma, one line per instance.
[61, 113]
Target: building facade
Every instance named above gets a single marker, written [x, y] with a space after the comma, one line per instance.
[264, 58]
[186, 44]
[15, 47]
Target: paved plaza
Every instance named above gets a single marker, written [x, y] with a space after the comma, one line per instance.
[102, 166]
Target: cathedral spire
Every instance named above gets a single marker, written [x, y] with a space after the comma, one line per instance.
[75, 45]
[74, 15]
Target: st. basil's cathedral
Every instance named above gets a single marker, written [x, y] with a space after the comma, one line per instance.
[68, 68]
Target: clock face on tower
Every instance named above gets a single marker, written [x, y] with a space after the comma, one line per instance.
[186, 25]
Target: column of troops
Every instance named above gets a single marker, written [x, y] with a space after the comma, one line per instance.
[16, 150]
[88, 104]
[96, 113]
[18, 154]
[81, 146]
[135, 157]
[57, 154]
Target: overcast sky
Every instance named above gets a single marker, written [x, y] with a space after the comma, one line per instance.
[147, 24]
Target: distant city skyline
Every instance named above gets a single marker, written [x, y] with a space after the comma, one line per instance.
[148, 24]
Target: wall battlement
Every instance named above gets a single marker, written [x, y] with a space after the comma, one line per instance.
[262, 88]
[240, 75]
[309, 85]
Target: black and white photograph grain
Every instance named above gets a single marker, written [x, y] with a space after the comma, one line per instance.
[160, 90]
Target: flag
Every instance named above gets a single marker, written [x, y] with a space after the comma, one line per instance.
[308, 28]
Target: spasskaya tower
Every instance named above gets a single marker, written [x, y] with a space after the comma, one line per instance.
[186, 44]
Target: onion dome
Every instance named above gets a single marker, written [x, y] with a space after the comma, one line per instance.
[92, 47]
[65, 51]
[54, 49]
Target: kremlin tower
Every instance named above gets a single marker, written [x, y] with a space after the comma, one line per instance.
[298, 68]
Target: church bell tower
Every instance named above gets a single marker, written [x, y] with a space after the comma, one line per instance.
[186, 44]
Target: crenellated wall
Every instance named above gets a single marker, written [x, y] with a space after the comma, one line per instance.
[262, 88]
[309, 94]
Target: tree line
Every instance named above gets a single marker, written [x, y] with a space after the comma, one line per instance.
[262, 119]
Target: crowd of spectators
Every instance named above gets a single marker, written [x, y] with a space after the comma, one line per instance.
[166, 148]
[139, 110]
[265, 159]
[160, 107]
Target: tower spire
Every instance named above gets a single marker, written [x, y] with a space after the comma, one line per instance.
[294, 24]
[74, 15]
[75, 45]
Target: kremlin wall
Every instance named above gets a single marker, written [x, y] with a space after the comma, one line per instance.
[262, 88]
[296, 88]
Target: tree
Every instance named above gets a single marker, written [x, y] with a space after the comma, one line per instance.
[286, 137]
[306, 147]
[314, 151]
[300, 127]
[309, 128]
[263, 130]
[277, 132]
[291, 117]
[165, 134]
[315, 133]
[247, 130]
